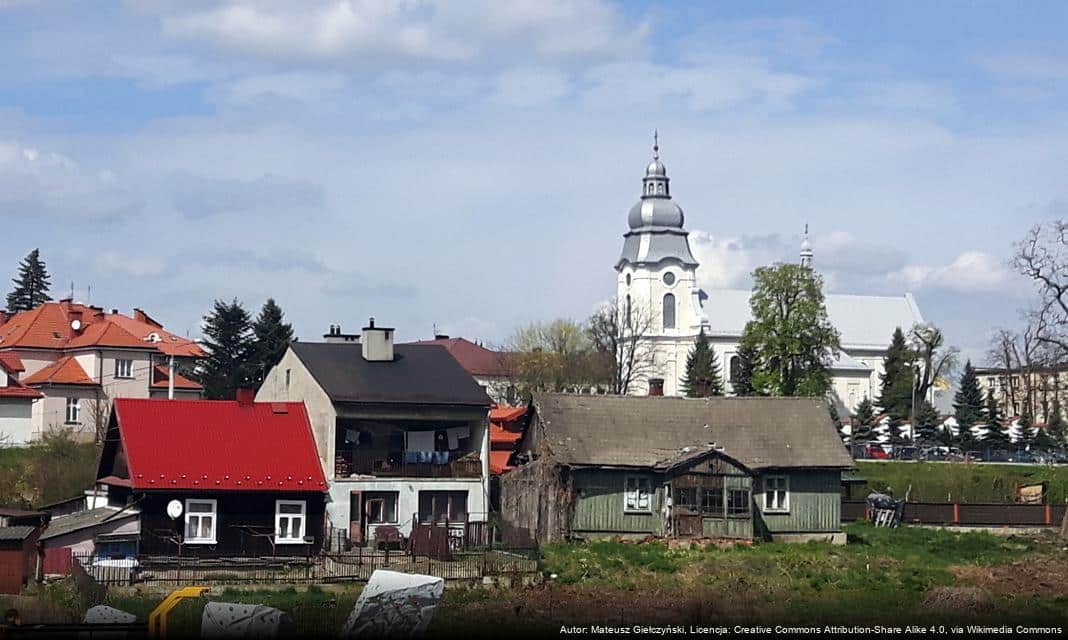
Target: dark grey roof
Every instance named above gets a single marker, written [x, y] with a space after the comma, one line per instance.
[760, 433]
[662, 244]
[79, 520]
[418, 374]
[20, 532]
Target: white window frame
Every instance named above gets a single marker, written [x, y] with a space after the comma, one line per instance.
[200, 514]
[76, 416]
[639, 481]
[278, 515]
[783, 490]
[128, 373]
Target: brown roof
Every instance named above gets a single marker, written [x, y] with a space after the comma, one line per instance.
[642, 431]
[474, 358]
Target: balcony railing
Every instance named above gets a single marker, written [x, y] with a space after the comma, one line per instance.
[406, 465]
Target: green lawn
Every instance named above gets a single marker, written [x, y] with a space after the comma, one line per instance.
[944, 482]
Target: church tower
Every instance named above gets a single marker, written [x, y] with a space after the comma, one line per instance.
[656, 283]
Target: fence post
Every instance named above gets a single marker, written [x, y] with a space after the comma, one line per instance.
[386, 561]
[1049, 513]
[956, 513]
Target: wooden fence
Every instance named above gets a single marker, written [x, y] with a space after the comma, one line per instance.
[968, 514]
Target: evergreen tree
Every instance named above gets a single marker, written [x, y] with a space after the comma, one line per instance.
[1042, 439]
[1026, 425]
[272, 337]
[702, 376]
[229, 342]
[1055, 424]
[896, 381]
[996, 433]
[742, 377]
[836, 420]
[31, 285]
[926, 423]
[863, 421]
[968, 405]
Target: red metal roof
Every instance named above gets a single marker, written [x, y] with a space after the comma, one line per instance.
[66, 370]
[218, 445]
[49, 327]
[475, 359]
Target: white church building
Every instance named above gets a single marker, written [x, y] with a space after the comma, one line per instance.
[657, 281]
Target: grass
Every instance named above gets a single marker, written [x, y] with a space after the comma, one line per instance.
[945, 482]
[53, 469]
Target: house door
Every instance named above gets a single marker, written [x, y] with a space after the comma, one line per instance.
[356, 520]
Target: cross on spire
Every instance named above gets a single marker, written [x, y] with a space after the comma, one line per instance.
[656, 145]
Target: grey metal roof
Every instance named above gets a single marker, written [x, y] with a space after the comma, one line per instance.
[644, 431]
[656, 244]
[79, 520]
[418, 374]
[20, 532]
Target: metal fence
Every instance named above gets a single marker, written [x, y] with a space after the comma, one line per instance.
[967, 514]
[355, 566]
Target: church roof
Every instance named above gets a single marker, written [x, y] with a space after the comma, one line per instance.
[865, 322]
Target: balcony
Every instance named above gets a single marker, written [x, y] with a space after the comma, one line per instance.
[408, 464]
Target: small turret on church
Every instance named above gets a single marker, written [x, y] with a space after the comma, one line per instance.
[806, 250]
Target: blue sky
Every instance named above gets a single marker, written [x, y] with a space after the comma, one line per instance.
[470, 164]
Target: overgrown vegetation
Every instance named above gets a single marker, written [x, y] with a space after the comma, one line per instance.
[937, 482]
[53, 469]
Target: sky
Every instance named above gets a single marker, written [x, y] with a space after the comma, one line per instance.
[468, 165]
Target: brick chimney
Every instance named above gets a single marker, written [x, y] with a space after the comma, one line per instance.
[245, 396]
[336, 336]
[4, 315]
[656, 386]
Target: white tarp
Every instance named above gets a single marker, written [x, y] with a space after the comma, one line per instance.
[230, 620]
[394, 604]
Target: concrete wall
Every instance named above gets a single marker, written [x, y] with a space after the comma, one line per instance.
[337, 509]
[16, 420]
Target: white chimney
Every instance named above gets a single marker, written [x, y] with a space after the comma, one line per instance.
[377, 343]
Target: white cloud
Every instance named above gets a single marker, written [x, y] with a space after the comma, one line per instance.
[113, 263]
[969, 272]
[529, 87]
[44, 183]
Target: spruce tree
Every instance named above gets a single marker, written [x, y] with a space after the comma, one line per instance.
[1055, 424]
[702, 376]
[742, 378]
[1026, 424]
[229, 343]
[996, 433]
[926, 423]
[272, 336]
[896, 381]
[836, 420]
[31, 285]
[968, 405]
[862, 422]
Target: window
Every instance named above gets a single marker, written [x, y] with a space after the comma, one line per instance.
[124, 368]
[438, 506]
[735, 368]
[628, 309]
[628, 279]
[380, 507]
[669, 311]
[712, 502]
[289, 520]
[776, 494]
[73, 411]
[288, 375]
[637, 495]
[686, 498]
[669, 278]
[200, 518]
[738, 502]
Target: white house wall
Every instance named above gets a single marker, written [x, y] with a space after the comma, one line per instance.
[16, 421]
[337, 510]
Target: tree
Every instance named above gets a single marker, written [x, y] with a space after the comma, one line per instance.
[271, 337]
[790, 332]
[31, 285]
[741, 376]
[926, 423]
[996, 433]
[1055, 424]
[229, 342]
[931, 355]
[863, 421]
[836, 420]
[703, 376]
[968, 404]
[623, 355]
[897, 380]
[1026, 424]
[1042, 256]
[551, 356]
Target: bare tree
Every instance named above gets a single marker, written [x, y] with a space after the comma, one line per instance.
[620, 343]
[937, 359]
[1042, 256]
[550, 356]
[97, 414]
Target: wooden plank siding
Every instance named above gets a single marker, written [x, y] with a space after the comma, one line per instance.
[599, 496]
[733, 526]
[815, 503]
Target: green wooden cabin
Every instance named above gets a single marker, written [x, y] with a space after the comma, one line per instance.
[741, 468]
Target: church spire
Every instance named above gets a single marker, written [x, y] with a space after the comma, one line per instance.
[806, 249]
[655, 182]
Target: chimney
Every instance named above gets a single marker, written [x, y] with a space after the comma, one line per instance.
[334, 335]
[441, 336]
[245, 396]
[4, 315]
[377, 343]
[141, 316]
[656, 386]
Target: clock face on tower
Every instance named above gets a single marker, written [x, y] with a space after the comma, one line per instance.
[669, 278]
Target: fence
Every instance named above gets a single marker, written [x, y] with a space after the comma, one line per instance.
[968, 514]
[356, 566]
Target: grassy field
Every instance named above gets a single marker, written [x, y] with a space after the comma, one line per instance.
[901, 576]
[945, 482]
[47, 471]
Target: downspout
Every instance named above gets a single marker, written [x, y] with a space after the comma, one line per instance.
[485, 464]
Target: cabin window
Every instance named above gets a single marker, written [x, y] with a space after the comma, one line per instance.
[289, 518]
[200, 520]
[637, 496]
[776, 494]
[712, 502]
[73, 415]
[124, 368]
[381, 507]
[738, 502]
[686, 498]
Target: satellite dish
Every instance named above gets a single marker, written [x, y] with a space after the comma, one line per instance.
[174, 509]
[76, 325]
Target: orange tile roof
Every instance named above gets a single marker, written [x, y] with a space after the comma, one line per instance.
[499, 462]
[506, 429]
[14, 387]
[12, 362]
[66, 370]
[49, 327]
[159, 379]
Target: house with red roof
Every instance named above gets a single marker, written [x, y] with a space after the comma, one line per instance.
[78, 358]
[16, 402]
[216, 478]
[489, 368]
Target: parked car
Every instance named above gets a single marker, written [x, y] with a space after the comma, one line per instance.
[999, 455]
[973, 456]
[906, 453]
[877, 452]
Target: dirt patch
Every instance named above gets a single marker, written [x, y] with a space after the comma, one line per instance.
[951, 599]
[1042, 577]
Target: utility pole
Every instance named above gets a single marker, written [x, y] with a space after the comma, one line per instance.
[170, 378]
